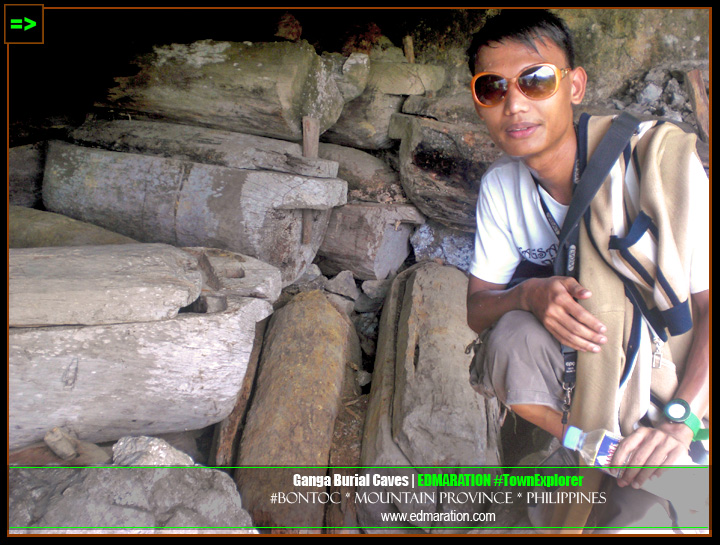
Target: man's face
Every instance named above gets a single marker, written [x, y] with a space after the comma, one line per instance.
[532, 130]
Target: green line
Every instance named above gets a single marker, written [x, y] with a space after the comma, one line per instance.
[539, 468]
[359, 527]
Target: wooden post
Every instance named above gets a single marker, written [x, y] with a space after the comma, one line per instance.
[311, 145]
[699, 99]
[311, 137]
[409, 49]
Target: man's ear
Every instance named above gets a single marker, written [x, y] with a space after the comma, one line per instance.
[578, 82]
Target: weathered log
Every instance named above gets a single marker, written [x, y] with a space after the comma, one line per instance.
[306, 352]
[365, 120]
[255, 88]
[699, 99]
[369, 239]
[227, 434]
[422, 410]
[202, 145]
[369, 178]
[107, 381]
[154, 199]
[441, 165]
[94, 285]
[30, 228]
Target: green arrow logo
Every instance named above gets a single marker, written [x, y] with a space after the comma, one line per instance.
[17, 24]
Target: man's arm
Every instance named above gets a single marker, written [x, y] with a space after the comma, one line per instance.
[551, 300]
[670, 441]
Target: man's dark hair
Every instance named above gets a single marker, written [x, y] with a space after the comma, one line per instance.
[524, 26]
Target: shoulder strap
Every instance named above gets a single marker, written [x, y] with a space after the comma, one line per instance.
[593, 176]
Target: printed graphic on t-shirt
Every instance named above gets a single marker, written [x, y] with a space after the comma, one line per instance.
[540, 255]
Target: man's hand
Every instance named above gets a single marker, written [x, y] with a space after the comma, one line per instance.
[665, 446]
[553, 302]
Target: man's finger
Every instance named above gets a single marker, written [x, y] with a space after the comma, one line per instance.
[576, 289]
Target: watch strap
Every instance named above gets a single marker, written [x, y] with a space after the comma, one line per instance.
[690, 420]
[694, 423]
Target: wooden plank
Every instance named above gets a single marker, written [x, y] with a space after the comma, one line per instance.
[699, 99]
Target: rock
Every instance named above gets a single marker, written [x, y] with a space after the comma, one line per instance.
[343, 304]
[366, 326]
[106, 381]
[343, 284]
[62, 443]
[92, 285]
[311, 274]
[25, 173]
[441, 165]
[307, 348]
[368, 239]
[192, 443]
[255, 88]
[148, 451]
[626, 43]
[202, 145]
[432, 241]
[155, 199]
[30, 228]
[422, 410]
[376, 289]
[366, 304]
[650, 94]
[115, 500]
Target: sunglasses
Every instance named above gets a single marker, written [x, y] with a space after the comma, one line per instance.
[536, 82]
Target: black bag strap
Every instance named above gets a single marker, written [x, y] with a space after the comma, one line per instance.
[593, 176]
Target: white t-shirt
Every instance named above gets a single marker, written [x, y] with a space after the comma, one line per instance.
[511, 224]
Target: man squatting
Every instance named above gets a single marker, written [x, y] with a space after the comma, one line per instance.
[527, 105]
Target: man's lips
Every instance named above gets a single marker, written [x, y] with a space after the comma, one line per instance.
[521, 130]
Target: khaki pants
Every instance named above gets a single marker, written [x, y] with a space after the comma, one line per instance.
[519, 362]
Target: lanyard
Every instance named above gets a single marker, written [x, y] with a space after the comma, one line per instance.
[548, 214]
[593, 173]
[569, 355]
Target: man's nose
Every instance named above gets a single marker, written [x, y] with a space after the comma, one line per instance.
[515, 100]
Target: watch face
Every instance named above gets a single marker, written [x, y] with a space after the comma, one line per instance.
[677, 411]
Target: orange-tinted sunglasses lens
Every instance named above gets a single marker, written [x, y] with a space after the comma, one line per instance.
[536, 82]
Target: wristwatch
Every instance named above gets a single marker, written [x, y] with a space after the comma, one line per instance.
[678, 410]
